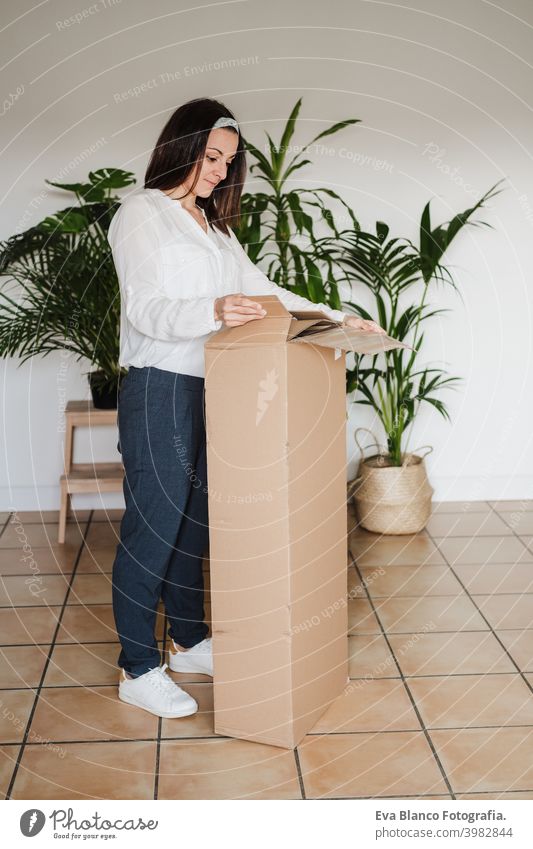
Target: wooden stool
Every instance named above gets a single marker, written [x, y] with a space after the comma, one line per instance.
[85, 477]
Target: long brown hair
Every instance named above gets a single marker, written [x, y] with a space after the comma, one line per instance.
[180, 150]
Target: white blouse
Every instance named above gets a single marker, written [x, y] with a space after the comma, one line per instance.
[170, 272]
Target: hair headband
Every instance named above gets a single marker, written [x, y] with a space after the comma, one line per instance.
[226, 122]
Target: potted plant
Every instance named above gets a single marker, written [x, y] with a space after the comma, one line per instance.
[391, 491]
[62, 290]
[278, 225]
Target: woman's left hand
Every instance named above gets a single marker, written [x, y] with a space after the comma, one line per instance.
[362, 324]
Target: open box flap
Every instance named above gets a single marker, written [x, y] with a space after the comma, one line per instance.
[277, 326]
[313, 325]
[349, 339]
[306, 314]
[304, 326]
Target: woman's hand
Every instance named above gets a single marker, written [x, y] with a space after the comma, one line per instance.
[234, 310]
[362, 324]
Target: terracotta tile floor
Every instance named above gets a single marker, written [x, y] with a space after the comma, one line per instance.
[439, 706]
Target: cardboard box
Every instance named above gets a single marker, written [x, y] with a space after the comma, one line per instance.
[276, 457]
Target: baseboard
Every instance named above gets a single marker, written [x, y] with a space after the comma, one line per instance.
[475, 488]
[47, 498]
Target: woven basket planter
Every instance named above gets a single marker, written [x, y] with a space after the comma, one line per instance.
[391, 499]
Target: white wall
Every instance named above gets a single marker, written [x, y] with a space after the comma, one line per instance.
[454, 76]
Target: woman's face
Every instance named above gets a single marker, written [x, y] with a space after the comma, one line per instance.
[221, 147]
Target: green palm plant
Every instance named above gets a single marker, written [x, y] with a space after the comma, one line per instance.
[390, 267]
[272, 220]
[62, 291]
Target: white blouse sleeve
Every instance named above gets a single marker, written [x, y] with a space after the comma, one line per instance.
[136, 253]
[255, 282]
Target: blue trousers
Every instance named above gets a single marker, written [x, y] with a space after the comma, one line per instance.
[164, 532]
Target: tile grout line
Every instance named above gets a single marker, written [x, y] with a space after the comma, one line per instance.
[6, 523]
[480, 612]
[160, 721]
[70, 578]
[215, 736]
[76, 603]
[48, 574]
[153, 739]
[517, 536]
[401, 798]
[47, 662]
[299, 772]
[408, 730]
[473, 596]
[82, 603]
[73, 643]
[410, 695]
[90, 686]
[377, 597]
[93, 684]
[429, 675]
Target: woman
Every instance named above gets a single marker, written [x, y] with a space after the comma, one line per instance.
[183, 275]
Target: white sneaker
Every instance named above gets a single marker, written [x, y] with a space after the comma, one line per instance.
[156, 692]
[199, 658]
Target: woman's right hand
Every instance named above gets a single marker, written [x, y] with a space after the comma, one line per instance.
[237, 309]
